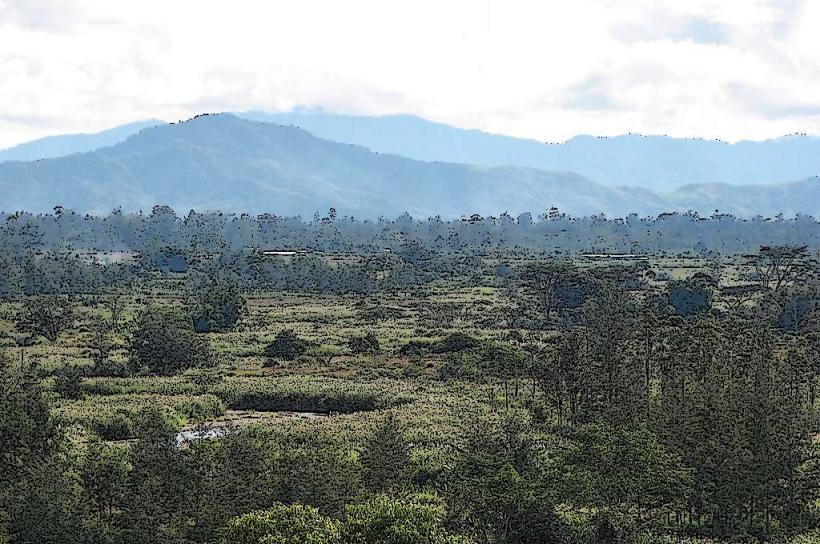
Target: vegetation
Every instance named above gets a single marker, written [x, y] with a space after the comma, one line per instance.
[164, 342]
[286, 346]
[443, 392]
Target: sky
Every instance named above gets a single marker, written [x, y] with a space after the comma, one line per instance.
[548, 70]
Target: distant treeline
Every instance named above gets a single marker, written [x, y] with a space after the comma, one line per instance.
[550, 231]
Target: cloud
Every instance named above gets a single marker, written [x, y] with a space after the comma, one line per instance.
[39, 15]
[662, 27]
[712, 68]
[764, 102]
[592, 94]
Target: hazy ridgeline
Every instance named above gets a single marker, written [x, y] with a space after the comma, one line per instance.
[511, 380]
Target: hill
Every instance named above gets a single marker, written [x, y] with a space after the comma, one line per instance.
[232, 164]
[657, 163]
[66, 144]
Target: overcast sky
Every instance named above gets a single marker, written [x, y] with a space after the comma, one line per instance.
[748, 69]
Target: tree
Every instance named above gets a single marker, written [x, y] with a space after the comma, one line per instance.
[496, 486]
[690, 297]
[386, 458]
[367, 344]
[68, 382]
[286, 346]
[214, 303]
[36, 486]
[155, 486]
[542, 281]
[99, 345]
[779, 266]
[164, 342]
[382, 520]
[46, 316]
[556, 286]
[565, 377]
[115, 303]
[622, 471]
[104, 473]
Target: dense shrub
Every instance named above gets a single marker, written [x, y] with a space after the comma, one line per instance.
[164, 342]
[380, 521]
[214, 303]
[286, 346]
[367, 344]
[280, 524]
[68, 382]
[690, 297]
[115, 426]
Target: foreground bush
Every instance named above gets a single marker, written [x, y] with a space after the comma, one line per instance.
[381, 521]
[296, 524]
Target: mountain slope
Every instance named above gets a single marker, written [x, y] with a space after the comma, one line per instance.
[59, 146]
[770, 199]
[231, 164]
[657, 163]
[223, 162]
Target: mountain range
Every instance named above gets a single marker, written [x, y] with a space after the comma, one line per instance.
[233, 163]
[658, 163]
[66, 144]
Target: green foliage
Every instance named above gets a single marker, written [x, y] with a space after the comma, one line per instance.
[367, 344]
[286, 346]
[385, 520]
[99, 344]
[156, 485]
[452, 343]
[214, 303]
[380, 521]
[690, 297]
[280, 524]
[613, 420]
[621, 470]
[68, 382]
[503, 494]
[104, 474]
[46, 316]
[36, 488]
[386, 458]
[164, 342]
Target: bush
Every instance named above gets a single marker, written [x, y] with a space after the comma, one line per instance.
[454, 342]
[68, 383]
[368, 344]
[416, 348]
[287, 346]
[380, 521]
[215, 305]
[690, 297]
[280, 524]
[392, 521]
[164, 342]
[117, 426]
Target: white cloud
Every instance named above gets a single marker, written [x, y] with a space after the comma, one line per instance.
[547, 70]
